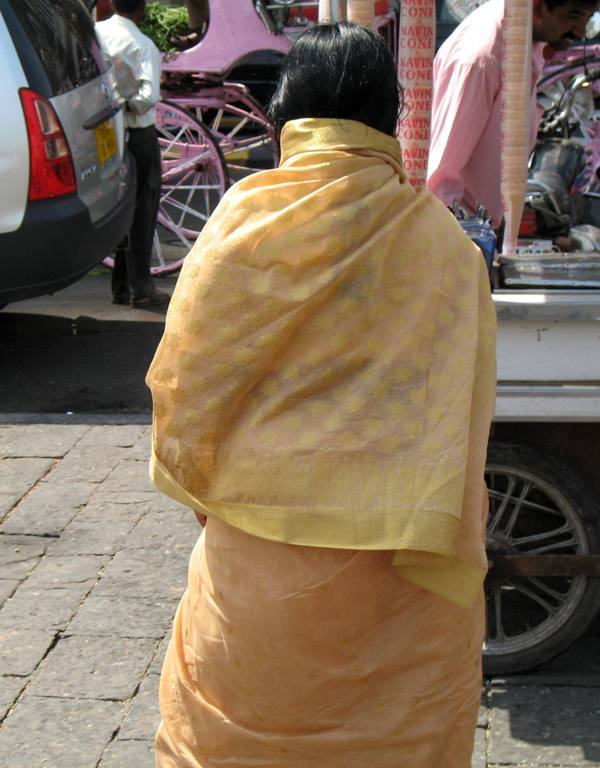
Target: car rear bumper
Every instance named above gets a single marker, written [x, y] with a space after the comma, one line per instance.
[57, 243]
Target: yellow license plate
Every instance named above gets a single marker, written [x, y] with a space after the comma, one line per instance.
[106, 140]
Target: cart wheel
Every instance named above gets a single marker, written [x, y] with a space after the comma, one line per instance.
[194, 176]
[246, 137]
[537, 506]
[194, 179]
[159, 265]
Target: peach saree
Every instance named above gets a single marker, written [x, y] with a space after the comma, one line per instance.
[323, 392]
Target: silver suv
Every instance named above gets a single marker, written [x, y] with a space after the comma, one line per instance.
[67, 186]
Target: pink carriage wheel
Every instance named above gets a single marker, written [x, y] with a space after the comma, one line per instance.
[193, 179]
[239, 124]
[194, 173]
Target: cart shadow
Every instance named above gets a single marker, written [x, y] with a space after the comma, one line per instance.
[549, 716]
[59, 365]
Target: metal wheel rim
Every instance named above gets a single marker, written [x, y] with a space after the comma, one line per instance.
[569, 538]
[193, 178]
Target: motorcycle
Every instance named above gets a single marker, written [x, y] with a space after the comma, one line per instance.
[559, 243]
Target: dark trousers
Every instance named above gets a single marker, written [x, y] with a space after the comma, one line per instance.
[131, 273]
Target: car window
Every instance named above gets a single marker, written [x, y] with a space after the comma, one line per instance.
[63, 35]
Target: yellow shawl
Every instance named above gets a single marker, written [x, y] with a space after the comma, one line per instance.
[327, 372]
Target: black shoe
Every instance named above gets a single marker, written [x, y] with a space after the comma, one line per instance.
[121, 298]
[156, 299]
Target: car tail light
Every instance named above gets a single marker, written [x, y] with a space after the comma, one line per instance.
[51, 165]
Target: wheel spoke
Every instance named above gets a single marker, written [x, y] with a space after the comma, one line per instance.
[533, 506]
[157, 250]
[565, 529]
[186, 209]
[571, 543]
[559, 597]
[517, 509]
[216, 123]
[500, 635]
[551, 610]
[503, 505]
[172, 140]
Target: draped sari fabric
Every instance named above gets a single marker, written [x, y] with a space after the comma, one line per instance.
[327, 373]
[323, 393]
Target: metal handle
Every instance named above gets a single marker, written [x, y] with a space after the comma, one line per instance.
[101, 117]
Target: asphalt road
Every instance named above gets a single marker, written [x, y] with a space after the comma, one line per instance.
[75, 352]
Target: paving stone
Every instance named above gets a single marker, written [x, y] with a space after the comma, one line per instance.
[179, 528]
[579, 665]
[103, 512]
[94, 668]
[479, 759]
[122, 616]
[137, 754]
[143, 718]
[159, 657]
[7, 587]
[89, 463]
[115, 435]
[10, 689]
[125, 497]
[19, 555]
[41, 609]
[545, 726]
[40, 440]
[129, 475]
[66, 571]
[81, 537]
[17, 476]
[21, 650]
[152, 573]
[152, 501]
[58, 733]
[142, 450]
[7, 502]
[48, 508]
[482, 714]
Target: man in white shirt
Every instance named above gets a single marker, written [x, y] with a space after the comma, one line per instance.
[137, 67]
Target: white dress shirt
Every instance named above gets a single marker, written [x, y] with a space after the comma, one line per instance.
[137, 68]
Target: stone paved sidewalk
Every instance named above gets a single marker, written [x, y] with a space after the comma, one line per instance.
[92, 563]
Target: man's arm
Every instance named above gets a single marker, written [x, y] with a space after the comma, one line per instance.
[463, 100]
[147, 75]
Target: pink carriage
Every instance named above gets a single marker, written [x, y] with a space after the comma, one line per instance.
[213, 132]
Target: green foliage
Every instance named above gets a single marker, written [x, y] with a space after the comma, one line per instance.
[162, 22]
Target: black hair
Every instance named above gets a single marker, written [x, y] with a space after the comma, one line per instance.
[127, 6]
[343, 71]
[552, 4]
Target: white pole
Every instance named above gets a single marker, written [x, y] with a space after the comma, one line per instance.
[416, 50]
[516, 90]
[362, 12]
[325, 11]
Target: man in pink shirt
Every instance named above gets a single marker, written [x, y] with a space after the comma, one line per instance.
[464, 159]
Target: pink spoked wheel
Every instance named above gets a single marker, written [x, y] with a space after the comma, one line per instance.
[194, 177]
[237, 121]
